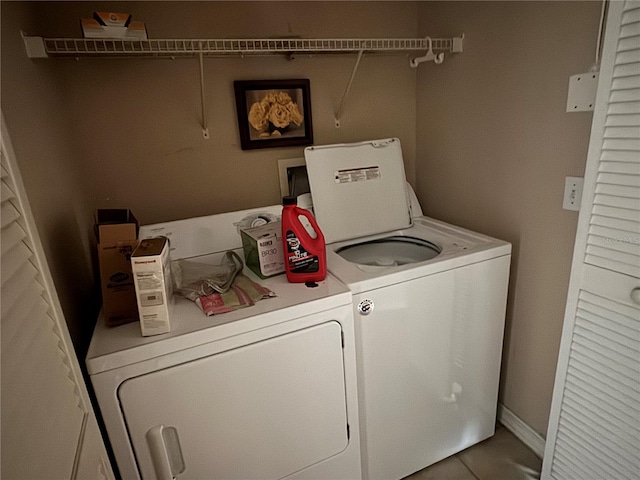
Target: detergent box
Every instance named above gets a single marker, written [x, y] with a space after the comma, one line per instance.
[151, 266]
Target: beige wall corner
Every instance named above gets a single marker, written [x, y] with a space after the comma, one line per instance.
[38, 122]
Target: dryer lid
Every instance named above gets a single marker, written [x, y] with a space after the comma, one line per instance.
[358, 189]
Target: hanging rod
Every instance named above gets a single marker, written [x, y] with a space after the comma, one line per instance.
[39, 47]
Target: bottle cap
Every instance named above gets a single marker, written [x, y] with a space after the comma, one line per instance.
[289, 201]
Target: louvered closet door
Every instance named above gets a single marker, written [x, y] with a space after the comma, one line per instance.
[594, 427]
[46, 418]
[613, 238]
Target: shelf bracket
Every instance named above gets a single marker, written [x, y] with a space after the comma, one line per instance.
[34, 46]
[454, 47]
[346, 92]
[205, 129]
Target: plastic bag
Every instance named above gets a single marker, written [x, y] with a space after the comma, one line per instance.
[243, 293]
[196, 279]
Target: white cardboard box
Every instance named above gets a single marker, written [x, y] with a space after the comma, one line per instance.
[263, 249]
[91, 28]
[112, 19]
[150, 264]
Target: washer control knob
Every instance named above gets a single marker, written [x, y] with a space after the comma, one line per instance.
[365, 307]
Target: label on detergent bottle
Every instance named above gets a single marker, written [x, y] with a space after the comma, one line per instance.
[300, 261]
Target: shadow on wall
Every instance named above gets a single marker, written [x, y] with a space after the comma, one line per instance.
[80, 299]
[513, 278]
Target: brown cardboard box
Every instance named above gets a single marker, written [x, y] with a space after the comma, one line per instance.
[117, 234]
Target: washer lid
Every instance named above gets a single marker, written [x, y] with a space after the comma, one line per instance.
[358, 189]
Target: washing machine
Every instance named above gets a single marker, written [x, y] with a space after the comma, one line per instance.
[264, 392]
[429, 303]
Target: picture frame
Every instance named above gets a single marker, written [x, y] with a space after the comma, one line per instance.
[273, 113]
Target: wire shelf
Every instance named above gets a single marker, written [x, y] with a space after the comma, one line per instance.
[94, 47]
[39, 47]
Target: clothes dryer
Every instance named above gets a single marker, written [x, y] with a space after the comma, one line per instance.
[268, 391]
[429, 303]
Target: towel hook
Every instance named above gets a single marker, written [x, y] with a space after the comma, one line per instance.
[437, 59]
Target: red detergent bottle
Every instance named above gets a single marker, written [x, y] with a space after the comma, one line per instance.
[305, 257]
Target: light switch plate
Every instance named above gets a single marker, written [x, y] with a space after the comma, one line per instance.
[582, 92]
[572, 193]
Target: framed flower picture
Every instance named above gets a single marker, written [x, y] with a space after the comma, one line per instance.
[273, 113]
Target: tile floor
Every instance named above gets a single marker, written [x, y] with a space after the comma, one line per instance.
[501, 457]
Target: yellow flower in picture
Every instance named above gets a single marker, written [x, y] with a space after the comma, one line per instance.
[294, 112]
[279, 115]
[258, 117]
[274, 113]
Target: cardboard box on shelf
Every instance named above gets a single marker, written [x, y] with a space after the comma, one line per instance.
[117, 234]
[263, 249]
[151, 266]
[112, 19]
[91, 28]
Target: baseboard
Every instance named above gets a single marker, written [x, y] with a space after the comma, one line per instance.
[524, 432]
